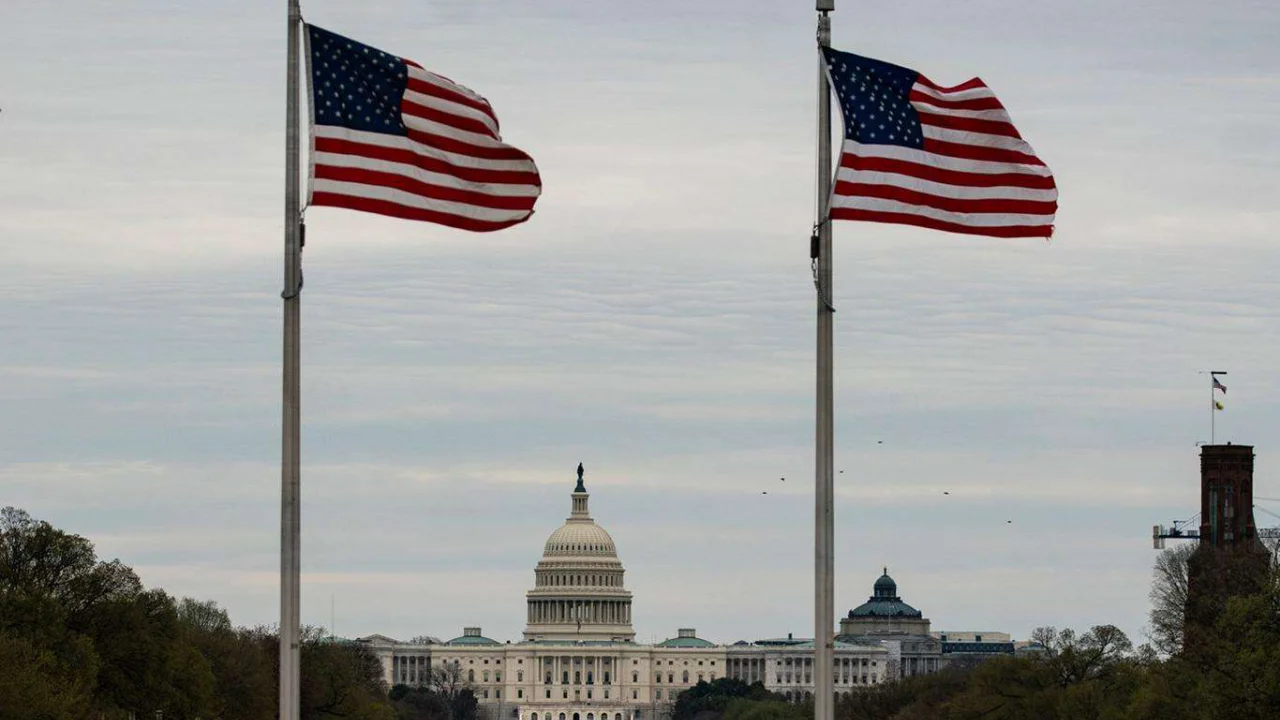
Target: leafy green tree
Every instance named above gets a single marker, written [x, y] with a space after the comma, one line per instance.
[340, 679]
[146, 663]
[244, 673]
[714, 697]
[749, 709]
[37, 684]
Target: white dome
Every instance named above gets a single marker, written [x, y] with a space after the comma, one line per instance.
[580, 539]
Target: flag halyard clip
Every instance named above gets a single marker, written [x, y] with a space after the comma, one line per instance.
[302, 243]
[824, 294]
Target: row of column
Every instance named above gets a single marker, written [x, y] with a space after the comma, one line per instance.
[581, 664]
[588, 611]
[410, 669]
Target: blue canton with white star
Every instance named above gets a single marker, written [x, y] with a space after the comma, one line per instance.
[875, 100]
[354, 85]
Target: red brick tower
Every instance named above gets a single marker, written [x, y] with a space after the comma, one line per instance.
[1230, 560]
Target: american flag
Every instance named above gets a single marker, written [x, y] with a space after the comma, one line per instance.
[947, 158]
[389, 137]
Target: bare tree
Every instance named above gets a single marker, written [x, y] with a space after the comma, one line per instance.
[450, 685]
[1169, 599]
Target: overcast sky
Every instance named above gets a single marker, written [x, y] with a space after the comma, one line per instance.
[654, 320]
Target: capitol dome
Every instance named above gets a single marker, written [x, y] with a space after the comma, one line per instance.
[578, 592]
[580, 539]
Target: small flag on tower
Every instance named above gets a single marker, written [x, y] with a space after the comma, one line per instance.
[391, 138]
[1217, 405]
[1219, 386]
[946, 158]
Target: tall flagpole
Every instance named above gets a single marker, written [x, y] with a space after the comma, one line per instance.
[290, 456]
[824, 454]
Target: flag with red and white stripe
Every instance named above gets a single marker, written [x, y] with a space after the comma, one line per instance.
[392, 138]
[946, 158]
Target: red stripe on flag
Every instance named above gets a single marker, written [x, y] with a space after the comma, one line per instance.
[410, 185]
[969, 84]
[949, 177]
[484, 152]
[982, 103]
[1002, 231]
[975, 152]
[429, 163]
[419, 85]
[1005, 206]
[967, 124]
[386, 207]
[466, 124]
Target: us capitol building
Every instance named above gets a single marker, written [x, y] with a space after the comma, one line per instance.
[579, 660]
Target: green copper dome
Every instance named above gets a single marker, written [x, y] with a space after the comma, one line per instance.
[885, 586]
[885, 601]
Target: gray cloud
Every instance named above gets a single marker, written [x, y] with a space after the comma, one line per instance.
[653, 320]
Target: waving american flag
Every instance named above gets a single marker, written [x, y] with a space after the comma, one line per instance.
[389, 137]
[947, 158]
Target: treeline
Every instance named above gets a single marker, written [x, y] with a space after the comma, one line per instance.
[82, 638]
[1096, 675]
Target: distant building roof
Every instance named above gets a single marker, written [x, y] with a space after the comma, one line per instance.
[472, 636]
[686, 638]
[680, 642]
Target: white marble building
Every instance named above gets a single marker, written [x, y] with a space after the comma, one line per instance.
[578, 659]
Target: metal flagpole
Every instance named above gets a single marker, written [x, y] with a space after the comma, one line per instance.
[1213, 405]
[824, 525]
[290, 472]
